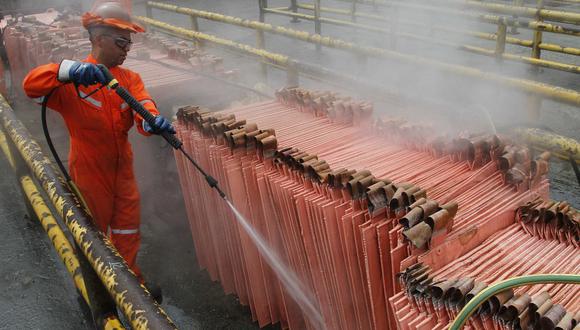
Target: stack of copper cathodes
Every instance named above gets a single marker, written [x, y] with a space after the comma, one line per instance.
[431, 298]
[550, 220]
[354, 204]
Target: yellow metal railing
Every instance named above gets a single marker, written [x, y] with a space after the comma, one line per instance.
[499, 8]
[538, 26]
[493, 19]
[498, 52]
[543, 90]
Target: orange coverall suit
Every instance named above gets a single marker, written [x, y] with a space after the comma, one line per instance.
[101, 159]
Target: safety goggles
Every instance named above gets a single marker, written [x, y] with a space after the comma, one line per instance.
[121, 42]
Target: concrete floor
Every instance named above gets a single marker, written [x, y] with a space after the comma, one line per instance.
[35, 290]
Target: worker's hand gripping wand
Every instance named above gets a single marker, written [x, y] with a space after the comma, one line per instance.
[113, 84]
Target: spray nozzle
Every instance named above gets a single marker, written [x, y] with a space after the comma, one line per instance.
[212, 182]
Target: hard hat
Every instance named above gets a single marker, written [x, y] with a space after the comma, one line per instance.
[110, 14]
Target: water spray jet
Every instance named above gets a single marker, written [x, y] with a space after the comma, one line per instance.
[290, 281]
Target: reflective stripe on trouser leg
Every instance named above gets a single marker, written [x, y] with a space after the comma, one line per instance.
[124, 231]
[127, 242]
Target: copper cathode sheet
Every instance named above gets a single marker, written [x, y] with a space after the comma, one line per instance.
[374, 281]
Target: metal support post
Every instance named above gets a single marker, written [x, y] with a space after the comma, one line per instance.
[292, 76]
[500, 42]
[261, 44]
[148, 11]
[195, 27]
[537, 40]
[514, 28]
[262, 4]
[534, 101]
[294, 9]
[194, 24]
[317, 25]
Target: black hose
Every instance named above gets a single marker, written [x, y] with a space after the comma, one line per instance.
[49, 140]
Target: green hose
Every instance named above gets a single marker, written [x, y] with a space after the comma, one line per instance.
[505, 285]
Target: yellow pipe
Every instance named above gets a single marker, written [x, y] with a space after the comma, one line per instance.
[524, 59]
[527, 43]
[547, 91]
[62, 245]
[57, 237]
[60, 242]
[547, 14]
[561, 146]
[547, 27]
[130, 297]
[113, 323]
[6, 150]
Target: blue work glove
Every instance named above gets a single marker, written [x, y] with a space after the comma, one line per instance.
[81, 73]
[161, 125]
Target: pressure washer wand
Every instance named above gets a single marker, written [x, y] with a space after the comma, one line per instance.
[150, 118]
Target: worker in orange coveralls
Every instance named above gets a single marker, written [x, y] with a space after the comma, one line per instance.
[98, 121]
